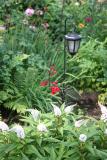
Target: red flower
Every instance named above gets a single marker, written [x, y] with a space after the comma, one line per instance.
[88, 19]
[44, 83]
[54, 90]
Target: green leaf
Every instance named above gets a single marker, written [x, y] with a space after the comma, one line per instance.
[24, 157]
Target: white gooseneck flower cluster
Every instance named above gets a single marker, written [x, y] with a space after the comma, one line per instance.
[17, 128]
[69, 109]
[35, 113]
[57, 111]
[19, 131]
[3, 126]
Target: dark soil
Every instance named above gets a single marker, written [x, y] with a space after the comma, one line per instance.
[8, 115]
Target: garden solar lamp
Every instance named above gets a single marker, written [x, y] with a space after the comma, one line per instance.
[71, 42]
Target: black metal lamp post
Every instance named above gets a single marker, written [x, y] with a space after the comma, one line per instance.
[71, 44]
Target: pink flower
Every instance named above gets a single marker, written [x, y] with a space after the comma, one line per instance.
[29, 12]
[88, 19]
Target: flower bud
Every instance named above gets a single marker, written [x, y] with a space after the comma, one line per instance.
[42, 128]
[82, 137]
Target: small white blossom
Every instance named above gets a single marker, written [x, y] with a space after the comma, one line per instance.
[42, 128]
[79, 123]
[69, 109]
[57, 110]
[35, 113]
[77, 4]
[2, 28]
[3, 126]
[29, 12]
[105, 132]
[82, 137]
[103, 108]
[39, 12]
[19, 131]
[33, 28]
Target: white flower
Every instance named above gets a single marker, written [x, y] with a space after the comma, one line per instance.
[29, 12]
[79, 123]
[57, 110]
[2, 28]
[39, 12]
[42, 128]
[103, 108]
[103, 111]
[105, 132]
[19, 131]
[32, 27]
[35, 113]
[69, 109]
[77, 4]
[3, 126]
[82, 137]
[104, 117]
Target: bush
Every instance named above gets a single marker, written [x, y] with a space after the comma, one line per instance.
[87, 70]
[62, 135]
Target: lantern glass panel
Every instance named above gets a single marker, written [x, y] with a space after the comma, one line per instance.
[77, 45]
[73, 46]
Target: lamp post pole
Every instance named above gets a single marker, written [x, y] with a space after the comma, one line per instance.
[65, 32]
[72, 40]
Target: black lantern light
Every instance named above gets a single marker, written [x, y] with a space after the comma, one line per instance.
[73, 42]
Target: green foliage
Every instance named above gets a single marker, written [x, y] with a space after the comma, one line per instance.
[26, 57]
[88, 68]
[60, 141]
[55, 12]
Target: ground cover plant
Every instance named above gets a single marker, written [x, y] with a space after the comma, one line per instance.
[44, 115]
[59, 134]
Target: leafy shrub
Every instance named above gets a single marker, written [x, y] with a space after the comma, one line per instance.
[60, 136]
[26, 57]
[55, 12]
[87, 70]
